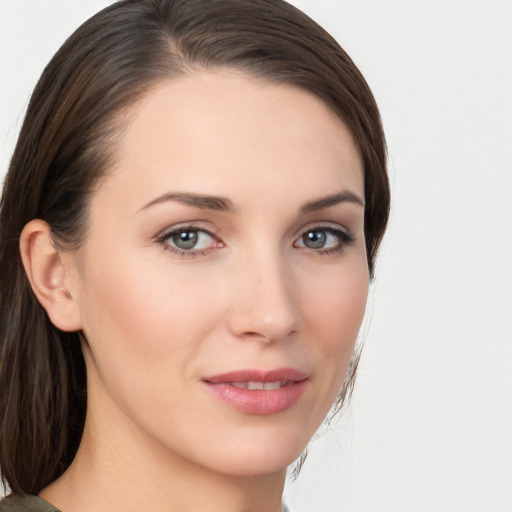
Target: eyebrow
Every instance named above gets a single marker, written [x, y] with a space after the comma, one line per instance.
[332, 200]
[220, 204]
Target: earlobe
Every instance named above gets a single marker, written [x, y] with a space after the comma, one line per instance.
[48, 274]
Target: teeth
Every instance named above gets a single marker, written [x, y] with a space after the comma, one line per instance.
[240, 385]
[255, 385]
[259, 385]
[272, 385]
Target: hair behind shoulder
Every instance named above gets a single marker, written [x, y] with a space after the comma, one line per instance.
[67, 144]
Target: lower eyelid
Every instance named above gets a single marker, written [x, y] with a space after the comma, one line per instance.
[164, 239]
[343, 235]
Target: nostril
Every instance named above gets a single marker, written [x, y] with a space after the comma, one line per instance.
[268, 336]
[256, 335]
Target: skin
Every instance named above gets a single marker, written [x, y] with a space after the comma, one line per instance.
[252, 294]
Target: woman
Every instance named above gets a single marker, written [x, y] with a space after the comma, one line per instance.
[188, 227]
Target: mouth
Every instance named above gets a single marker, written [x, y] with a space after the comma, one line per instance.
[278, 384]
[259, 392]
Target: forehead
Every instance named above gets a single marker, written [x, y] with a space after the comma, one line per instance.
[225, 133]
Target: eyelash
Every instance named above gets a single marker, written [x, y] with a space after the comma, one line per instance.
[344, 236]
[165, 237]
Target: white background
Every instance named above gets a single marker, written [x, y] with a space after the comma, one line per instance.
[430, 426]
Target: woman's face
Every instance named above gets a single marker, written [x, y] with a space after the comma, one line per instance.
[223, 278]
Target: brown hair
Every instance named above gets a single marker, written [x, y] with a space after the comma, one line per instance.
[65, 146]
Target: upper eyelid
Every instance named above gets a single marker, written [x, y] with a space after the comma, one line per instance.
[199, 226]
[192, 226]
[164, 239]
[324, 225]
[346, 235]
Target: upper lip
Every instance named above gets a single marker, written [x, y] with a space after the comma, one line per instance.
[253, 375]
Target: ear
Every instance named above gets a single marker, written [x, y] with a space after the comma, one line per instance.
[49, 272]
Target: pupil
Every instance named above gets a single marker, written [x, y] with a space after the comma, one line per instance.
[185, 239]
[315, 239]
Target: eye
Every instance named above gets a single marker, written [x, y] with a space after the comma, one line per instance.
[324, 239]
[189, 241]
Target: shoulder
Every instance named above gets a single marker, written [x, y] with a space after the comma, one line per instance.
[26, 503]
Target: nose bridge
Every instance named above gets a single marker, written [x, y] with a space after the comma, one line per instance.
[263, 303]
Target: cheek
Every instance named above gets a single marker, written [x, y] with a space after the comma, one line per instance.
[333, 313]
[335, 308]
[140, 316]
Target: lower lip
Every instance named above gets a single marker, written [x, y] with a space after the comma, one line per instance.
[259, 401]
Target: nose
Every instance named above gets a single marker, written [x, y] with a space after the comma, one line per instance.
[262, 299]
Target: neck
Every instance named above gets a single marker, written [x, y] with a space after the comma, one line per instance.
[121, 471]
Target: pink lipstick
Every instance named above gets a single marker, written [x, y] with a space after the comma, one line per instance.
[259, 392]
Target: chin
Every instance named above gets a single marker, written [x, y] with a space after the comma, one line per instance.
[258, 453]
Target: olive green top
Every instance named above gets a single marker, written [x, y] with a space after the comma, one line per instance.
[36, 504]
[26, 504]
